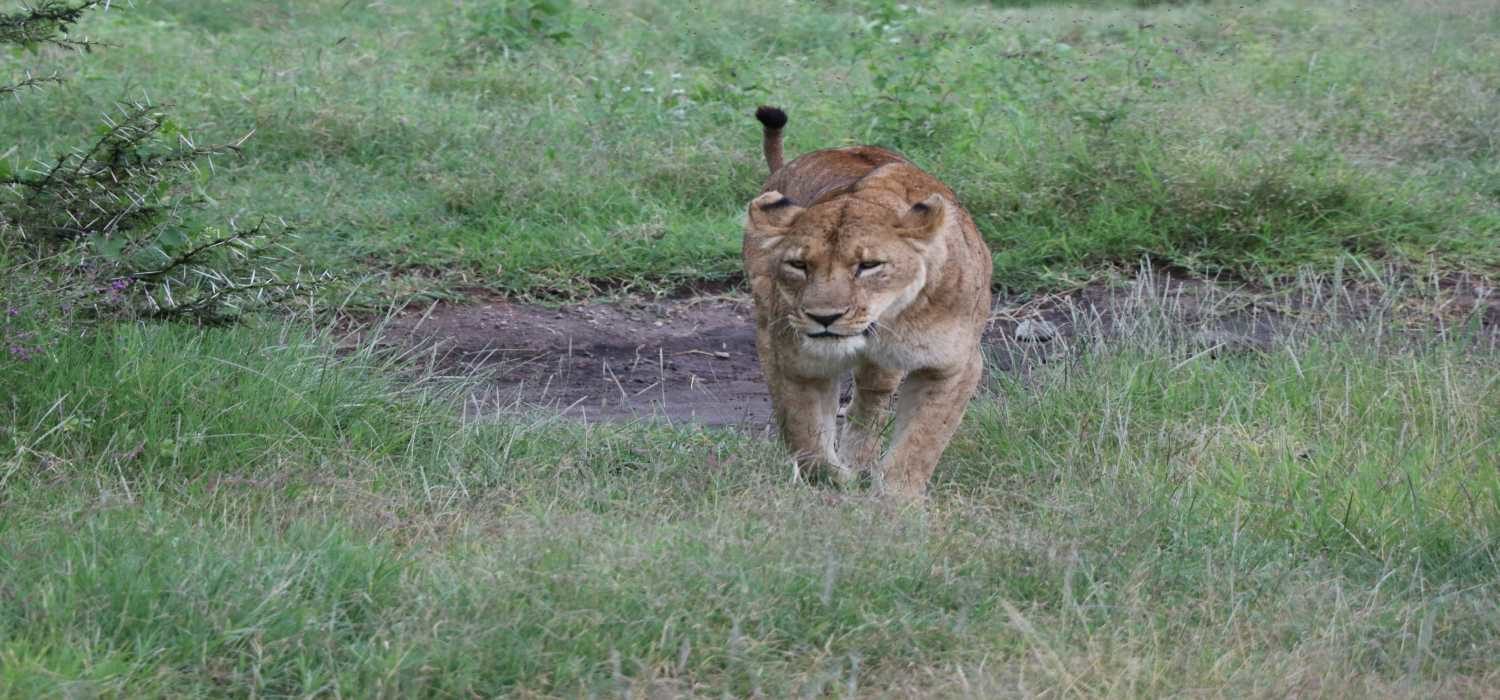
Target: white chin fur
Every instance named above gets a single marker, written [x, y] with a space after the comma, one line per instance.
[831, 354]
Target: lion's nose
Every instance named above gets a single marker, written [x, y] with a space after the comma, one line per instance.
[826, 319]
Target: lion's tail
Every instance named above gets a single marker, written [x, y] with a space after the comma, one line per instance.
[772, 119]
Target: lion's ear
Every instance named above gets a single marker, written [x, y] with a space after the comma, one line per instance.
[925, 218]
[771, 216]
[772, 213]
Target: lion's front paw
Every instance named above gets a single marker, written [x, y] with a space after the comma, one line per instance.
[824, 473]
[897, 490]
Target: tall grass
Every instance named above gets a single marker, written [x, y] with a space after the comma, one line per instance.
[1136, 516]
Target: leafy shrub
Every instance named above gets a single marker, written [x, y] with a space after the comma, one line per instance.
[907, 95]
[504, 25]
[924, 84]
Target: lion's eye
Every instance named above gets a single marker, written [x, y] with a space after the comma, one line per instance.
[797, 265]
[868, 265]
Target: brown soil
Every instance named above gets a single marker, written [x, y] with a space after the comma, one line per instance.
[693, 360]
[690, 360]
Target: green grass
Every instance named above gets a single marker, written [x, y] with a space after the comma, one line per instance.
[439, 146]
[268, 509]
[1319, 518]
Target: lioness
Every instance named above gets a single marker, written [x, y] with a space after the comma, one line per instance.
[859, 260]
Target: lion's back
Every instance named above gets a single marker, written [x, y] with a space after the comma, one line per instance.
[816, 176]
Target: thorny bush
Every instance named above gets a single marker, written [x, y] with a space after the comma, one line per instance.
[100, 231]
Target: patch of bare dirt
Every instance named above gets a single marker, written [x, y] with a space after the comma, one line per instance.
[693, 360]
[683, 360]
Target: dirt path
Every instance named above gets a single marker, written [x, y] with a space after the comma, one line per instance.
[693, 360]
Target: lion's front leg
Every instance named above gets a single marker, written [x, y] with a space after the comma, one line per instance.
[805, 412]
[927, 414]
[868, 413]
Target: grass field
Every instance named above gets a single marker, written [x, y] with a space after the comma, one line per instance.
[433, 145]
[192, 513]
[270, 509]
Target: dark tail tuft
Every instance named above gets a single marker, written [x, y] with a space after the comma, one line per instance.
[771, 117]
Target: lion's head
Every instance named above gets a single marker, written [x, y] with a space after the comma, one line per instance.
[836, 271]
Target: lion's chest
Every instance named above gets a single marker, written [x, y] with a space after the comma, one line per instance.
[822, 357]
[906, 356]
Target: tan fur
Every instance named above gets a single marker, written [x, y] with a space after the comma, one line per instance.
[913, 322]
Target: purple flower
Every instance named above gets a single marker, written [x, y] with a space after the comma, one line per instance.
[12, 311]
[120, 284]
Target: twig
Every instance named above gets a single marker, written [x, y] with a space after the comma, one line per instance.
[30, 81]
[187, 257]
